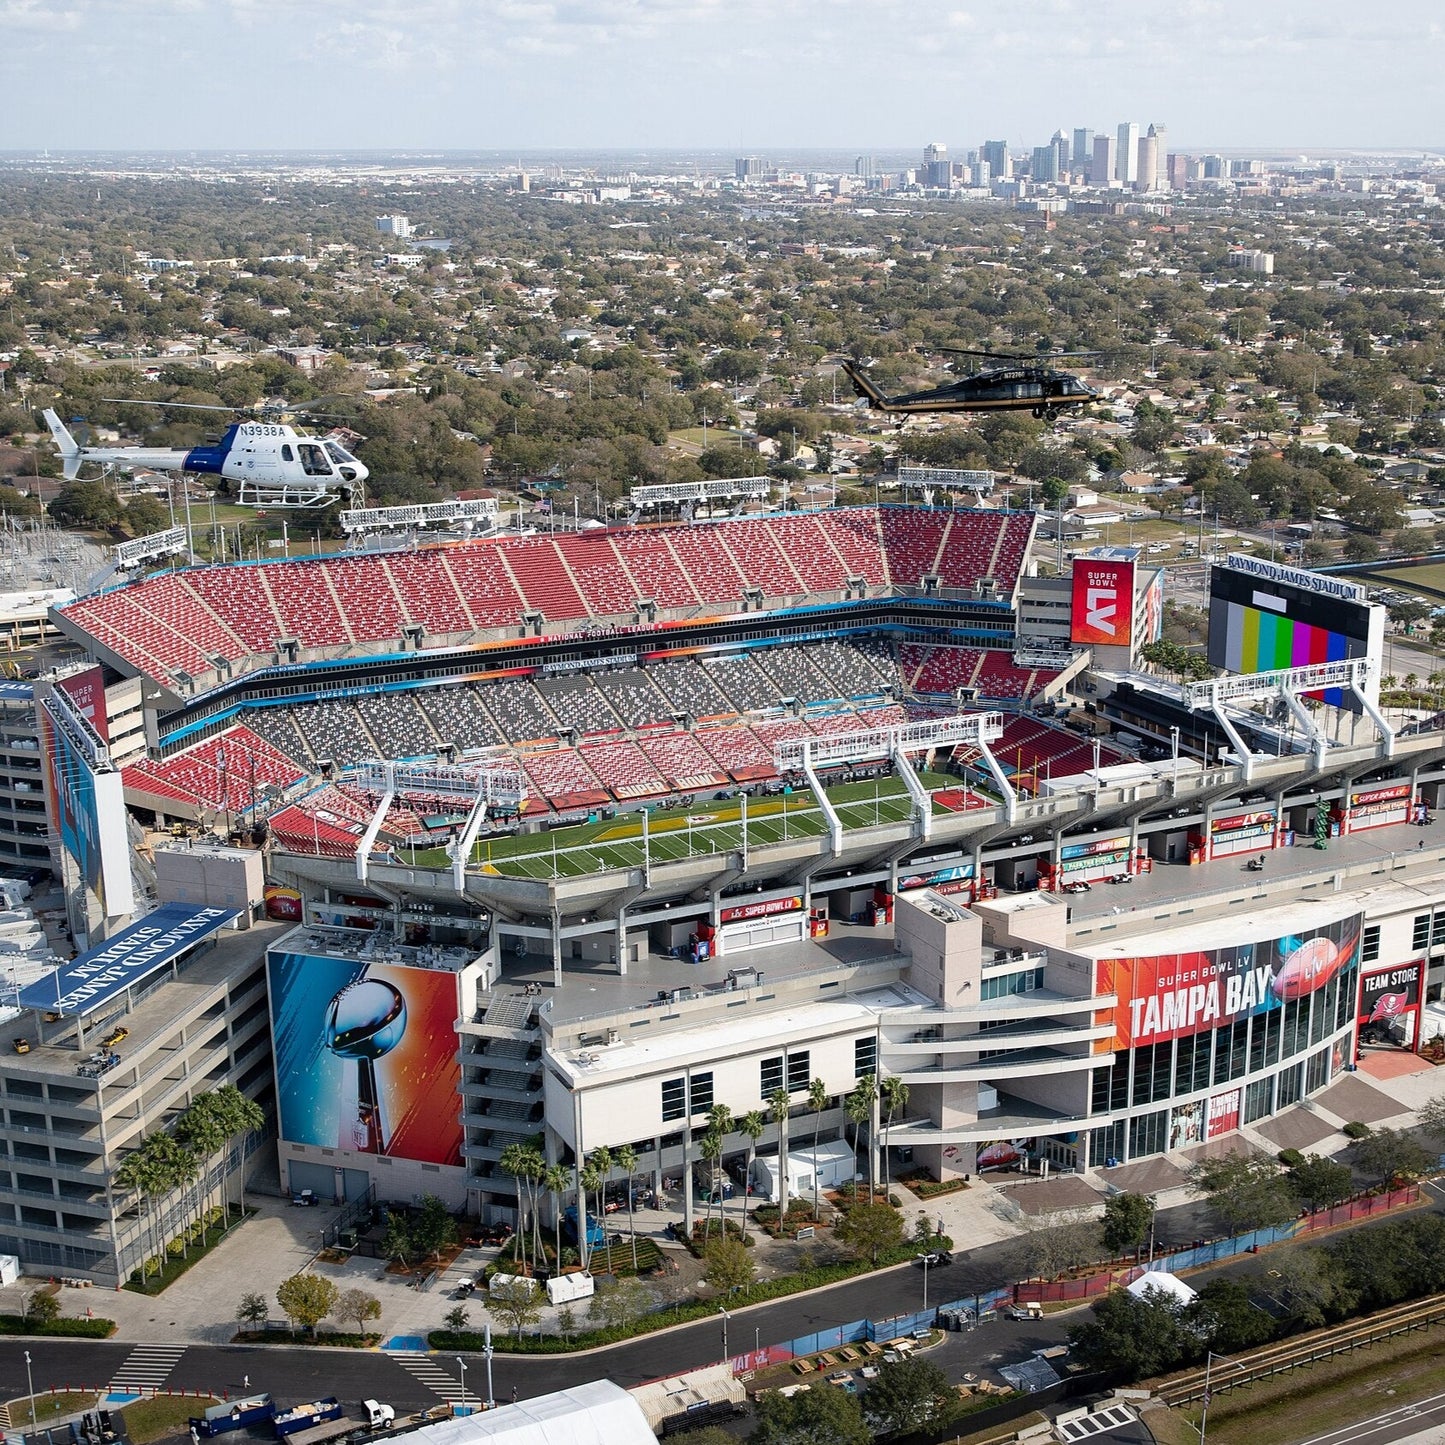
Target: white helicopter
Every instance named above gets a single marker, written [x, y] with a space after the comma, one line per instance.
[272, 465]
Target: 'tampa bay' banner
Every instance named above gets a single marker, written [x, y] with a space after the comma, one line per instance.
[1164, 996]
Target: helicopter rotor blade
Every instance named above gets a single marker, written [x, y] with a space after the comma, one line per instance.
[181, 405]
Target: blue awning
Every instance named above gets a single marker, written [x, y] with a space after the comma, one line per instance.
[90, 981]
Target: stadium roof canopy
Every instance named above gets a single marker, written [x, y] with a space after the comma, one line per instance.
[597, 1413]
[91, 980]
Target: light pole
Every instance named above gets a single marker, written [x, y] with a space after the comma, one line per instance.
[487, 1348]
[463, 1365]
[30, 1386]
[723, 1312]
[1209, 1360]
[926, 1262]
[1174, 747]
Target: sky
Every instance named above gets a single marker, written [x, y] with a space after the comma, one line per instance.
[731, 75]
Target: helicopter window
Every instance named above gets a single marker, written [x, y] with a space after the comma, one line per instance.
[313, 460]
[287, 455]
[338, 453]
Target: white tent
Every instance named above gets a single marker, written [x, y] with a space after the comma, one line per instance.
[1161, 1281]
[598, 1413]
[835, 1165]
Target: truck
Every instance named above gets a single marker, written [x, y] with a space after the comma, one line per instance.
[303, 1417]
[376, 1416]
[237, 1414]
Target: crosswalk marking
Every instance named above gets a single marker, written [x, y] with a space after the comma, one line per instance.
[425, 1371]
[146, 1367]
[1095, 1424]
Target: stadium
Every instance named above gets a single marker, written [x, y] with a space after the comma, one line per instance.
[633, 822]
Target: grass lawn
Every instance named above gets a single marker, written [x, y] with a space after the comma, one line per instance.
[715, 436]
[1312, 1401]
[164, 1415]
[49, 1407]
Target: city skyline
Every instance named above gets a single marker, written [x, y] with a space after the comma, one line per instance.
[123, 74]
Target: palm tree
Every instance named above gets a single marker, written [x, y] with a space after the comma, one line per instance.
[201, 1129]
[588, 1178]
[779, 1105]
[602, 1162]
[627, 1163]
[557, 1180]
[711, 1149]
[720, 1122]
[859, 1108]
[515, 1162]
[817, 1102]
[895, 1101]
[241, 1117]
[536, 1168]
[751, 1126]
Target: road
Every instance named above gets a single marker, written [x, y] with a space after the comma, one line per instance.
[1419, 1423]
[293, 1375]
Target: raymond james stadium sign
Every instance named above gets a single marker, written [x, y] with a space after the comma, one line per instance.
[1295, 577]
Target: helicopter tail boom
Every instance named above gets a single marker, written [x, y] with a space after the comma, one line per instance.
[863, 386]
[69, 449]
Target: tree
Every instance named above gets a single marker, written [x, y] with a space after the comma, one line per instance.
[895, 1101]
[1067, 1241]
[812, 1417]
[1137, 1337]
[627, 1163]
[710, 1146]
[728, 1265]
[1431, 1117]
[601, 1162]
[910, 1395]
[1317, 1181]
[457, 1318]
[859, 1108]
[1361, 548]
[1245, 1192]
[517, 1306]
[517, 1159]
[1226, 1317]
[1127, 1218]
[1388, 1154]
[396, 1241]
[253, 1309]
[588, 1180]
[86, 504]
[817, 1102]
[356, 1304]
[751, 1126]
[307, 1299]
[871, 1229]
[779, 1106]
[620, 1305]
[557, 1181]
[435, 1228]
[41, 1309]
[144, 515]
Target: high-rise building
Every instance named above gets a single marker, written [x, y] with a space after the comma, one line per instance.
[1060, 143]
[1177, 170]
[1161, 141]
[1213, 167]
[393, 225]
[1126, 166]
[1083, 156]
[1147, 170]
[863, 168]
[748, 168]
[995, 152]
[1102, 172]
[936, 171]
[1046, 163]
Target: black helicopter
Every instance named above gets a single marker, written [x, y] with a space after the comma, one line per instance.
[1024, 383]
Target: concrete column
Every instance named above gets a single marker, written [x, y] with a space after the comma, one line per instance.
[622, 941]
[557, 948]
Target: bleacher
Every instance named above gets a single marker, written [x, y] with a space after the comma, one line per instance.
[276, 725]
[624, 769]
[219, 773]
[745, 685]
[1035, 748]
[333, 729]
[682, 761]
[457, 716]
[518, 710]
[578, 704]
[632, 696]
[738, 753]
[686, 686]
[304, 603]
[562, 777]
[791, 670]
[398, 724]
[158, 627]
[654, 567]
[849, 670]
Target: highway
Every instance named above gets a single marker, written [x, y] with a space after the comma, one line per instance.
[1419, 1423]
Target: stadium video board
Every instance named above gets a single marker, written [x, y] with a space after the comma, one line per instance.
[1102, 614]
[1264, 618]
[366, 1056]
[1170, 995]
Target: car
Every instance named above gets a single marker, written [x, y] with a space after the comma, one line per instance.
[932, 1258]
[306, 1199]
[21, 1045]
[115, 1036]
